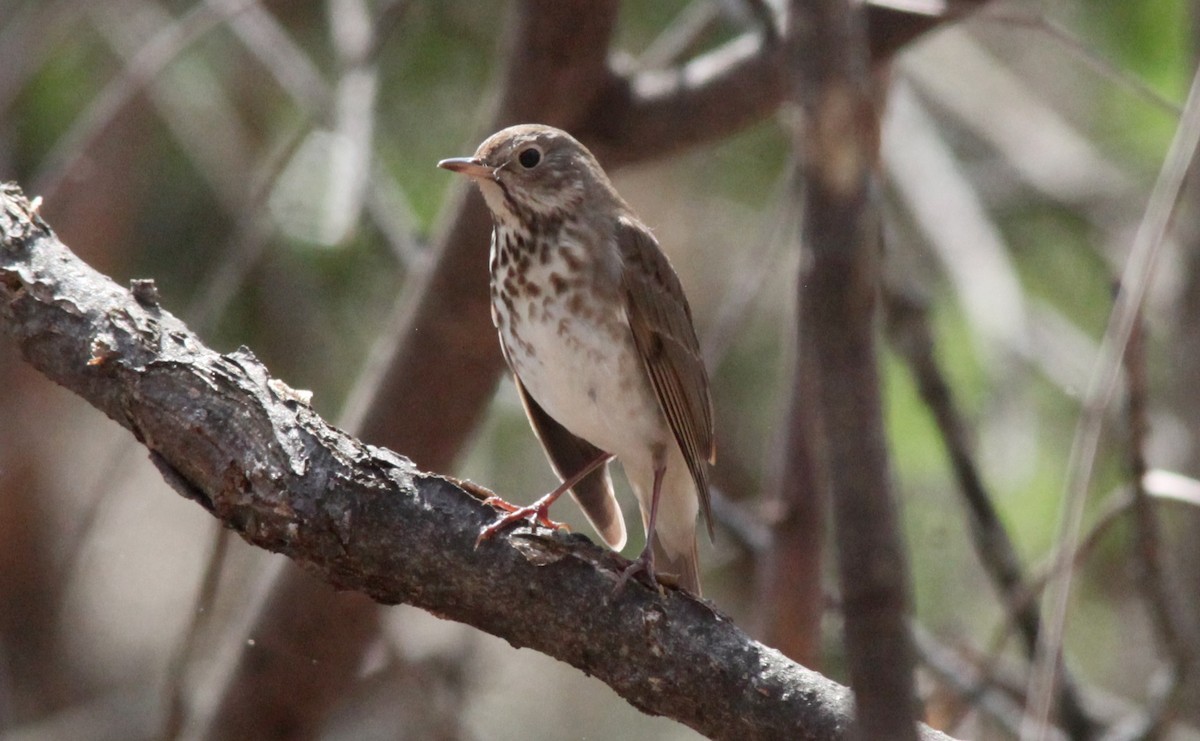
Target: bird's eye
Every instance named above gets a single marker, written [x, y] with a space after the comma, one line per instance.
[529, 158]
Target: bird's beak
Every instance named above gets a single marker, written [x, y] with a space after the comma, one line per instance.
[470, 166]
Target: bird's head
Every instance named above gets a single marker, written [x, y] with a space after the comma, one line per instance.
[531, 171]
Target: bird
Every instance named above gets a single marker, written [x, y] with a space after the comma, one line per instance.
[596, 329]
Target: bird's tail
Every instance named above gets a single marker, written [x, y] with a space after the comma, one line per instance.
[679, 565]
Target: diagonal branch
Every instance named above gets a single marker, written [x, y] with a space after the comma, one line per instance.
[911, 335]
[658, 112]
[252, 453]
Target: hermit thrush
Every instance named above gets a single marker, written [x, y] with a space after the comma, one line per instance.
[596, 329]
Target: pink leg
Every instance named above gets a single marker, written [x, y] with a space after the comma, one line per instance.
[539, 509]
[645, 562]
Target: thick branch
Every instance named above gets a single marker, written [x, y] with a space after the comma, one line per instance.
[790, 592]
[839, 148]
[256, 456]
[655, 113]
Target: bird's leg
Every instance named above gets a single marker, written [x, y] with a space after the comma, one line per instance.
[645, 562]
[538, 511]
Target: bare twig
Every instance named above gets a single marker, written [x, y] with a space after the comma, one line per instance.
[1135, 280]
[143, 67]
[678, 40]
[761, 257]
[1100, 64]
[354, 103]
[912, 337]
[206, 126]
[294, 71]
[1155, 589]
[966, 679]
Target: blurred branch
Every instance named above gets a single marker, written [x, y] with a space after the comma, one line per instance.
[142, 67]
[251, 452]
[199, 114]
[957, 228]
[272, 685]
[1162, 486]
[681, 38]
[293, 69]
[837, 148]
[654, 113]
[1038, 21]
[270, 689]
[1031, 133]
[1135, 282]
[354, 101]
[966, 680]
[912, 336]
[174, 711]
[1180, 654]
[790, 594]
[27, 35]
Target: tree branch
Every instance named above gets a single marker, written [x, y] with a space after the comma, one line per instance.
[838, 150]
[655, 113]
[911, 335]
[255, 455]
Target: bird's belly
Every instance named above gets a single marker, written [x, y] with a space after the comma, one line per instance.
[585, 372]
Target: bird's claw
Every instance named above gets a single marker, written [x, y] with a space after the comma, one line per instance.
[537, 512]
[643, 564]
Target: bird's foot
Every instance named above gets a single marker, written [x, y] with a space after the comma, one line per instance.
[537, 512]
[643, 564]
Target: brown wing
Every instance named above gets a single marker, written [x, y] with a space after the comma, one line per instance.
[568, 454]
[661, 320]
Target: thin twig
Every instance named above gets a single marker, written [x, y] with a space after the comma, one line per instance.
[968, 680]
[761, 255]
[912, 336]
[293, 69]
[206, 126]
[174, 701]
[1135, 282]
[681, 37]
[1095, 59]
[1148, 546]
[145, 65]
[354, 100]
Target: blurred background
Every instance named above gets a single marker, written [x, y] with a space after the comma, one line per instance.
[271, 165]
